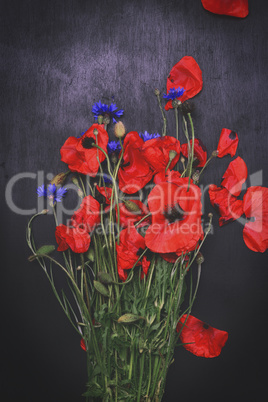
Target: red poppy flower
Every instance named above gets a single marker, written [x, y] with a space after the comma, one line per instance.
[176, 218]
[200, 338]
[228, 206]
[158, 152]
[130, 215]
[235, 175]
[228, 143]
[200, 152]
[131, 245]
[83, 345]
[80, 154]
[77, 239]
[88, 214]
[186, 74]
[255, 205]
[134, 172]
[106, 192]
[234, 8]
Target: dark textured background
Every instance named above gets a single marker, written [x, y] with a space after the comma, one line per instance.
[58, 58]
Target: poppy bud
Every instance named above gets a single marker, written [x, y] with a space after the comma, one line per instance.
[119, 130]
[210, 215]
[106, 119]
[172, 154]
[128, 318]
[176, 103]
[157, 92]
[101, 288]
[90, 254]
[100, 119]
[105, 278]
[59, 178]
[131, 206]
[182, 159]
[200, 258]
[187, 107]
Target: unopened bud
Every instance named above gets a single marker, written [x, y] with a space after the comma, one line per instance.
[106, 119]
[182, 159]
[59, 179]
[44, 212]
[172, 154]
[128, 318]
[95, 131]
[90, 254]
[215, 153]
[105, 278]
[101, 288]
[210, 215]
[132, 206]
[119, 130]
[176, 103]
[200, 258]
[157, 92]
[100, 119]
[196, 176]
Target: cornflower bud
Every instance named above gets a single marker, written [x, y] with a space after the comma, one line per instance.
[59, 179]
[200, 258]
[157, 92]
[106, 119]
[176, 103]
[215, 153]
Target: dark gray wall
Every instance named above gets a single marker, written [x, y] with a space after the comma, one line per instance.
[58, 58]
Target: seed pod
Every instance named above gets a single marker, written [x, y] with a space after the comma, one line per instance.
[172, 154]
[128, 318]
[105, 278]
[101, 288]
[132, 206]
[59, 179]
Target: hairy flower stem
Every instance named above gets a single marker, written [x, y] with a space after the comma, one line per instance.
[177, 121]
[164, 130]
[191, 157]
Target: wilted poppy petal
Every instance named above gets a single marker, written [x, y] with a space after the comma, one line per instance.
[234, 8]
[228, 206]
[200, 338]
[186, 74]
[200, 152]
[255, 205]
[228, 143]
[235, 175]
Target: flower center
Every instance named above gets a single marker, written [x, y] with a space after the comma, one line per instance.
[232, 135]
[88, 142]
[174, 214]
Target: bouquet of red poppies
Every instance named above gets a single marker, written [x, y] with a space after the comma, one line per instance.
[131, 251]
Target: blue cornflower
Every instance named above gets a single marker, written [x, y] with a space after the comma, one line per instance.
[100, 109]
[52, 192]
[113, 146]
[41, 191]
[174, 93]
[146, 136]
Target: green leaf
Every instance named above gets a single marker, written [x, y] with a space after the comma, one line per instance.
[42, 251]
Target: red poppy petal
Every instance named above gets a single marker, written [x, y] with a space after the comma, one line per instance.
[201, 339]
[234, 8]
[88, 214]
[77, 239]
[228, 143]
[83, 345]
[188, 75]
[255, 205]
[228, 206]
[200, 152]
[235, 175]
